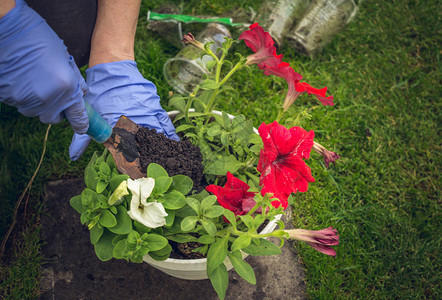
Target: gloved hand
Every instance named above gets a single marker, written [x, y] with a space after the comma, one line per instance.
[118, 88]
[37, 74]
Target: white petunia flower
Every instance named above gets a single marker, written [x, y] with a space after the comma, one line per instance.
[150, 214]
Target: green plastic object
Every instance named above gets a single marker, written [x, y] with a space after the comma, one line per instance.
[153, 16]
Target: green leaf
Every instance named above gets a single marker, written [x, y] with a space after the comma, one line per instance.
[104, 248]
[118, 238]
[215, 130]
[263, 248]
[256, 149]
[185, 211]
[84, 218]
[161, 254]
[132, 237]
[162, 184]
[248, 220]
[155, 171]
[95, 234]
[178, 102]
[183, 127]
[124, 222]
[206, 239]
[113, 210]
[90, 177]
[88, 197]
[223, 165]
[209, 226]
[116, 180]
[219, 278]
[241, 267]
[170, 217]
[194, 204]
[183, 238]
[230, 216]
[141, 228]
[119, 249]
[137, 259]
[208, 202]
[101, 186]
[225, 138]
[213, 212]
[226, 121]
[209, 84]
[182, 184]
[174, 200]
[188, 223]
[104, 168]
[217, 254]
[156, 242]
[241, 242]
[210, 64]
[111, 162]
[107, 219]
[76, 204]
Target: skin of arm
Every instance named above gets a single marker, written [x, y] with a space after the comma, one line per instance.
[114, 32]
[6, 6]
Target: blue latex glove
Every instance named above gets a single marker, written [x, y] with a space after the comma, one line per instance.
[37, 74]
[116, 89]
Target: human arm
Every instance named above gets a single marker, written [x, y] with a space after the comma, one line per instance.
[115, 85]
[37, 74]
[6, 6]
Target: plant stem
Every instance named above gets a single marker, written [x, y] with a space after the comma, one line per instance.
[234, 69]
[219, 65]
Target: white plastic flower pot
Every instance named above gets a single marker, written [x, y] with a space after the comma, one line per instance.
[195, 269]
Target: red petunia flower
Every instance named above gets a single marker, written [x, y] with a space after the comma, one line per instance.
[321, 240]
[295, 86]
[262, 44]
[234, 195]
[319, 93]
[283, 170]
[266, 58]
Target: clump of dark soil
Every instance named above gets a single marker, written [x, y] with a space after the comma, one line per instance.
[176, 157]
[185, 250]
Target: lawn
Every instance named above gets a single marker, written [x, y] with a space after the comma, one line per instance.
[383, 195]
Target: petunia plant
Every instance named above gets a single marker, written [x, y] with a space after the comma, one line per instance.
[252, 175]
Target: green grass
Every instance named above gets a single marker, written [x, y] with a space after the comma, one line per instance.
[383, 195]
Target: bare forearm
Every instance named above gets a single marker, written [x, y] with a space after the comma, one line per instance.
[114, 32]
[6, 6]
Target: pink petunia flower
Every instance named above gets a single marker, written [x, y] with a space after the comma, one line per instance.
[283, 170]
[234, 195]
[262, 44]
[320, 240]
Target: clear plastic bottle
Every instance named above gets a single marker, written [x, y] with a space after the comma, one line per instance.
[320, 23]
[278, 16]
[186, 70]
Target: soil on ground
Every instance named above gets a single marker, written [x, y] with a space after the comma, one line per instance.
[176, 157]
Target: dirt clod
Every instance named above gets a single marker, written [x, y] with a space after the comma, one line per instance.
[176, 157]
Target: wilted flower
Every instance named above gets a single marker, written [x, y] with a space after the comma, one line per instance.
[150, 214]
[190, 39]
[329, 156]
[283, 170]
[320, 240]
[234, 195]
